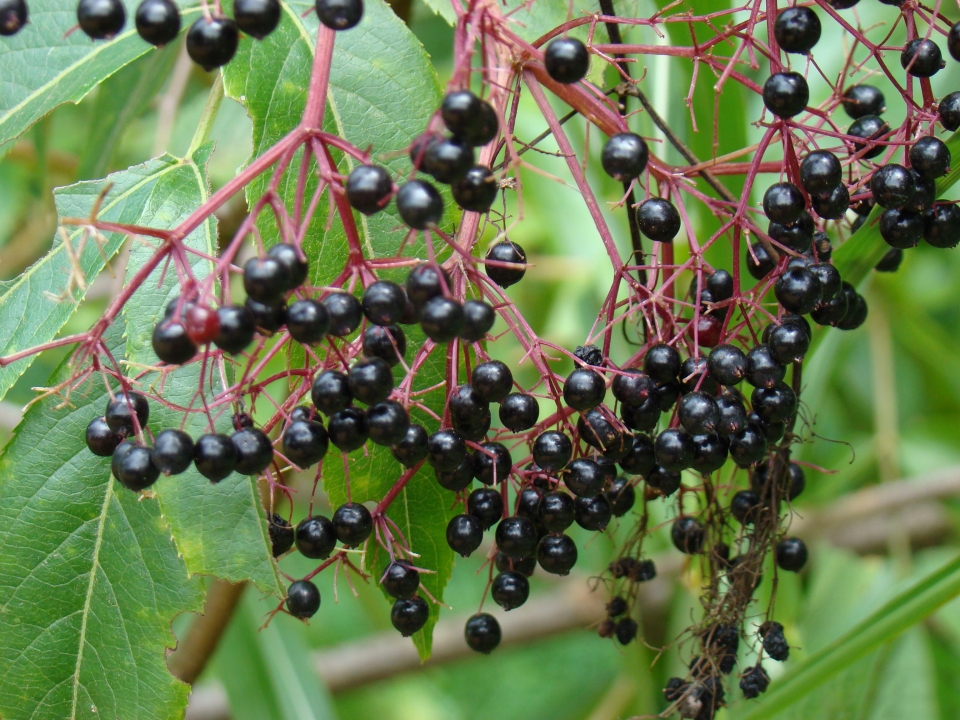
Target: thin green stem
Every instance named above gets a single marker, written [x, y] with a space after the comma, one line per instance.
[210, 111]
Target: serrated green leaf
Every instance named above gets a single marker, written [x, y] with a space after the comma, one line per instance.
[89, 578]
[42, 67]
[35, 306]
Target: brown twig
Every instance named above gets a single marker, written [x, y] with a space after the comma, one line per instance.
[191, 656]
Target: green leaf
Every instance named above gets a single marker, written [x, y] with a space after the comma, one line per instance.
[888, 622]
[35, 306]
[42, 67]
[267, 673]
[89, 578]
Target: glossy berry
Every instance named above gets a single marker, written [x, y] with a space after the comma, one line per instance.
[387, 343]
[552, 451]
[478, 318]
[584, 389]
[593, 513]
[663, 481]
[254, 451]
[173, 451]
[744, 506]
[482, 633]
[556, 511]
[674, 449]
[419, 204]
[448, 159]
[348, 429]
[640, 457]
[698, 413]
[621, 495]
[759, 263]
[409, 615]
[457, 479]
[798, 290]
[901, 228]
[442, 319]
[281, 534]
[658, 220]
[331, 392]
[212, 44]
[791, 554]
[892, 186]
[387, 423]
[519, 412]
[101, 19]
[446, 450]
[308, 321]
[267, 317]
[171, 343]
[517, 537]
[632, 387]
[293, 262]
[101, 439]
[597, 430]
[733, 416]
[316, 537]
[505, 252]
[624, 156]
[400, 580]
[783, 202]
[949, 108]
[830, 206]
[383, 302]
[869, 129]
[464, 534]
[344, 313]
[922, 58]
[566, 60]
[492, 381]
[266, 279]
[786, 94]
[727, 364]
[797, 30]
[788, 342]
[468, 117]
[235, 329]
[774, 404]
[557, 554]
[709, 452]
[486, 505]
[687, 535]
[891, 261]
[476, 190]
[369, 188]
[132, 466]
[584, 478]
[257, 18]
[662, 363]
[796, 235]
[930, 157]
[524, 566]
[13, 16]
[861, 100]
[425, 282]
[339, 14]
[158, 21]
[941, 226]
[820, 172]
[492, 463]
[370, 380]
[352, 523]
[303, 599]
[122, 409]
[510, 590]
[214, 456]
[412, 449]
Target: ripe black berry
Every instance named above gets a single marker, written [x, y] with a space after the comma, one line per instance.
[370, 380]
[412, 448]
[517, 537]
[457, 479]
[468, 117]
[265, 279]
[674, 449]
[339, 14]
[797, 30]
[624, 156]
[791, 554]
[733, 416]
[901, 228]
[307, 321]
[158, 21]
[658, 219]
[552, 451]
[101, 440]
[941, 226]
[215, 456]
[785, 94]
[101, 19]
[13, 16]
[281, 534]
[448, 159]
[921, 58]
[869, 129]
[640, 457]
[510, 590]
[820, 172]
[486, 505]
[556, 511]
[383, 302]
[316, 537]
[400, 579]
[788, 342]
[525, 566]
[446, 450]
[709, 452]
[464, 534]
[171, 343]
[949, 109]
[505, 252]
[267, 317]
[212, 43]
[528, 504]
[352, 523]
[482, 632]
[759, 262]
[387, 343]
[257, 18]
[492, 381]
[774, 404]
[861, 100]
[584, 478]
[303, 599]
[492, 463]
[344, 313]
[632, 387]
[368, 188]
[331, 392]
[749, 446]
[566, 60]
[892, 186]
[593, 513]
[662, 363]
[291, 259]
[132, 466]
[235, 329]
[557, 554]
[584, 389]
[442, 319]
[744, 506]
[687, 535]
[727, 364]
[783, 202]
[173, 451]
[348, 429]
[891, 261]
[121, 410]
[519, 412]
[476, 190]
[798, 290]
[698, 413]
[254, 451]
[930, 157]
[419, 204]
[387, 423]
[478, 318]
[796, 235]
[763, 369]
[621, 494]
[830, 206]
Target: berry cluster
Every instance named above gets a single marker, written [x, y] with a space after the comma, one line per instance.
[713, 382]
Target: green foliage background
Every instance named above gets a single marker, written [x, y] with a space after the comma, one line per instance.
[886, 401]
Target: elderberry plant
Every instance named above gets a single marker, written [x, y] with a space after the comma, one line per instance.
[344, 328]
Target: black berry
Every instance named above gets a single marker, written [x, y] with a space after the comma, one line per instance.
[517, 537]
[409, 615]
[303, 599]
[370, 380]
[492, 463]
[212, 43]
[171, 343]
[339, 14]
[331, 392]
[791, 554]
[101, 440]
[257, 18]
[369, 188]
[658, 219]
[505, 252]
[101, 19]
[861, 100]
[949, 109]
[797, 30]
[557, 554]
[892, 186]
[446, 450]
[552, 451]
[419, 204]
[464, 534]
[921, 58]
[687, 535]
[132, 466]
[158, 21]
[236, 329]
[482, 633]
[214, 456]
[13, 16]
[316, 537]
[783, 202]
[401, 580]
[510, 590]
[476, 190]
[519, 412]
[254, 451]
[412, 448]
[624, 156]
[448, 159]
[486, 504]
[469, 117]
[442, 319]
[281, 534]
[593, 513]
[785, 94]
[566, 60]
[348, 429]
[820, 172]
[930, 157]
[478, 318]
[352, 523]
